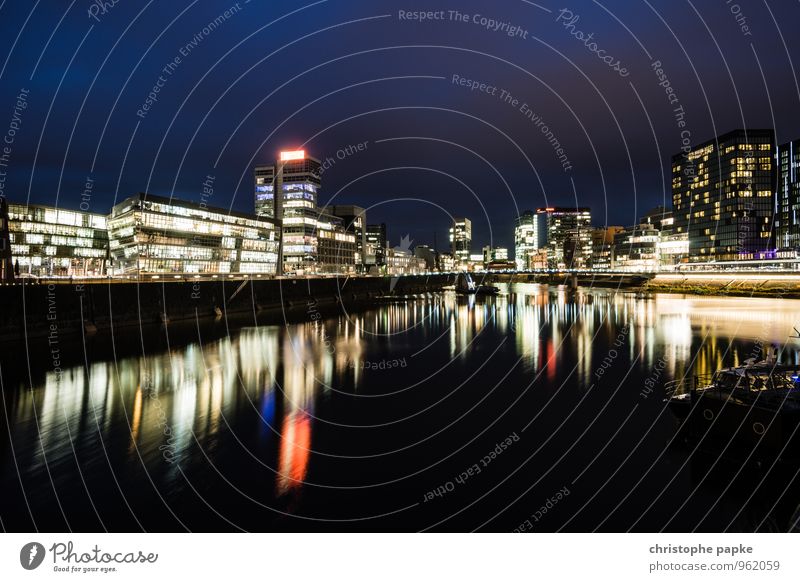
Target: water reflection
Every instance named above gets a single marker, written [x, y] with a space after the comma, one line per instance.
[165, 404]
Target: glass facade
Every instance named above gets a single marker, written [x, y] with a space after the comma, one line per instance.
[565, 233]
[461, 239]
[336, 248]
[52, 242]
[376, 243]
[526, 239]
[150, 235]
[722, 196]
[289, 191]
[787, 202]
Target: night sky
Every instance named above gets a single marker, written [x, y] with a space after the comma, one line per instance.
[334, 73]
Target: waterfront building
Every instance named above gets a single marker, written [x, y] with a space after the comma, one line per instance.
[355, 223]
[722, 196]
[53, 242]
[566, 235]
[6, 260]
[427, 254]
[288, 191]
[602, 246]
[636, 249]
[337, 249]
[376, 242]
[156, 236]
[787, 202]
[494, 254]
[446, 262]
[527, 238]
[402, 262]
[461, 239]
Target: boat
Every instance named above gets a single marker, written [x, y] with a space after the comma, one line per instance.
[467, 286]
[754, 407]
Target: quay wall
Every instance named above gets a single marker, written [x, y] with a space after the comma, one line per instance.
[35, 309]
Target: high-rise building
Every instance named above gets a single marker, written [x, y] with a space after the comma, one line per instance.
[787, 203]
[461, 239]
[288, 191]
[376, 243]
[151, 235]
[53, 242]
[722, 196]
[566, 235]
[526, 239]
[355, 223]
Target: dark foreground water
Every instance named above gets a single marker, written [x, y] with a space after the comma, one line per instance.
[535, 409]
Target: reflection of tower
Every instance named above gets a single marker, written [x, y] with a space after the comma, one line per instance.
[6, 266]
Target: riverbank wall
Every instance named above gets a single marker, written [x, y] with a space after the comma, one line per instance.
[778, 285]
[43, 309]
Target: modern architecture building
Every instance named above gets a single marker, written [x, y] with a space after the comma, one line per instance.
[355, 222]
[461, 239]
[376, 242]
[403, 262]
[427, 254]
[6, 260]
[155, 236]
[787, 201]
[336, 247]
[527, 238]
[566, 235]
[288, 191]
[722, 196]
[603, 245]
[636, 249]
[494, 254]
[53, 242]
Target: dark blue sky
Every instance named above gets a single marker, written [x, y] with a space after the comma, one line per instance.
[333, 73]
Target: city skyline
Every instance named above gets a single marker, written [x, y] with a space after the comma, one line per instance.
[604, 167]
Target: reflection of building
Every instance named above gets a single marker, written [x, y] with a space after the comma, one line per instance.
[461, 239]
[602, 245]
[722, 195]
[566, 234]
[51, 242]
[376, 243]
[787, 217]
[526, 239]
[289, 192]
[155, 235]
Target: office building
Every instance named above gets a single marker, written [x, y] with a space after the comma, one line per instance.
[52, 242]
[494, 254]
[722, 196]
[376, 242]
[288, 191]
[155, 236]
[787, 202]
[6, 260]
[565, 233]
[526, 239]
[355, 222]
[603, 245]
[402, 262]
[427, 254]
[336, 247]
[636, 249]
[461, 239]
